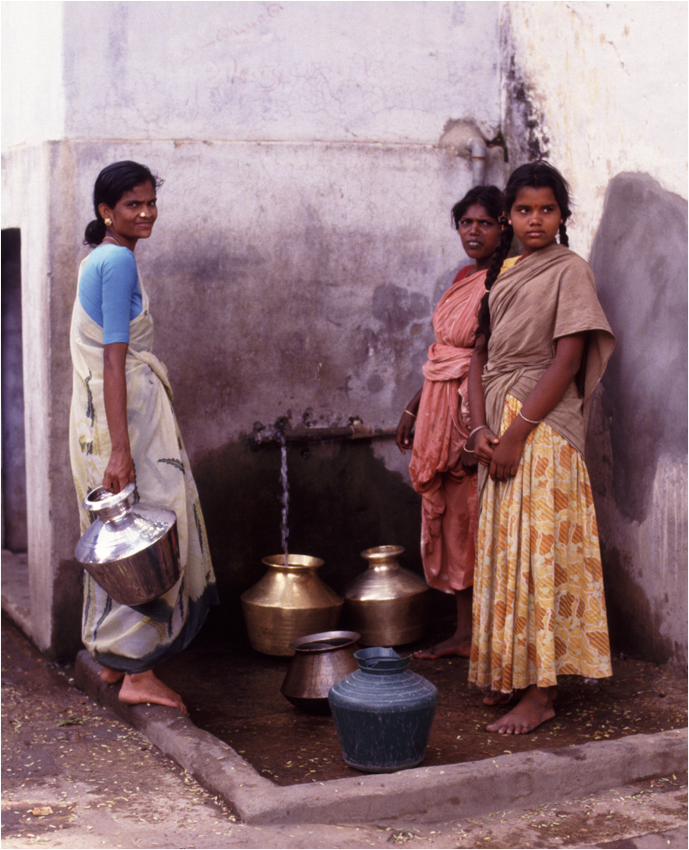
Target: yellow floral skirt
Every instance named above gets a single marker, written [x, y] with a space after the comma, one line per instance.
[539, 607]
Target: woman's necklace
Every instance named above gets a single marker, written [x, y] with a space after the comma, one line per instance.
[112, 239]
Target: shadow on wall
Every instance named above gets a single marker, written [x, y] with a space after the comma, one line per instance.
[342, 500]
[639, 257]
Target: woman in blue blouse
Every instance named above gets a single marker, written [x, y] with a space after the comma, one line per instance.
[123, 429]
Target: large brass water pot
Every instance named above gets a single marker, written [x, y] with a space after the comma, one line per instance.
[319, 661]
[387, 604]
[290, 601]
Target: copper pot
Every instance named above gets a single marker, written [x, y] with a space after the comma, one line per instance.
[319, 662]
[387, 604]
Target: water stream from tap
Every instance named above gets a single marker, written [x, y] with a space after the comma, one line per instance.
[285, 498]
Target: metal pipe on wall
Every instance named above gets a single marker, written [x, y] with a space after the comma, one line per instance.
[478, 149]
[355, 430]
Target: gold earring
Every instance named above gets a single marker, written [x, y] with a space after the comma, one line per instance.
[108, 222]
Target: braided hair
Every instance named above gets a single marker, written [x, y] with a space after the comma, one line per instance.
[113, 181]
[537, 174]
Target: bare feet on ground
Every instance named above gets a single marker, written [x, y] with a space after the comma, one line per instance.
[452, 646]
[498, 698]
[534, 708]
[147, 688]
[110, 676]
[460, 642]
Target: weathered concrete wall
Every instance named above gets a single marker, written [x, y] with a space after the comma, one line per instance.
[600, 90]
[303, 240]
[297, 71]
[597, 88]
[307, 293]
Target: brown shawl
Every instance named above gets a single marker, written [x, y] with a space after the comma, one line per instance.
[549, 294]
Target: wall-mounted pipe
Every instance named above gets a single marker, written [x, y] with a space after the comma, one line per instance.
[355, 430]
[465, 140]
[478, 160]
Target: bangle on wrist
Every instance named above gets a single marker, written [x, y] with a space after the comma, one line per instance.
[410, 413]
[469, 451]
[478, 428]
[530, 421]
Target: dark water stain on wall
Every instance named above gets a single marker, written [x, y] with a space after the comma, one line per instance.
[342, 500]
[628, 603]
[306, 324]
[639, 257]
[523, 123]
[396, 307]
[638, 428]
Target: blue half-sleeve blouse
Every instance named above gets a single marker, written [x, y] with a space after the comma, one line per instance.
[109, 291]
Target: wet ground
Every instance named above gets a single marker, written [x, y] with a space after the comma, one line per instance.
[234, 693]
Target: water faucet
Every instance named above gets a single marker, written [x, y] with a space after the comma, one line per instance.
[281, 433]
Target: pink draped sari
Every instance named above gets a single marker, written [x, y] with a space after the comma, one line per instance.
[449, 512]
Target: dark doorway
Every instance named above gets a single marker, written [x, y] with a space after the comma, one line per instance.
[14, 531]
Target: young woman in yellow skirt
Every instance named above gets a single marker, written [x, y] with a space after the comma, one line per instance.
[542, 347]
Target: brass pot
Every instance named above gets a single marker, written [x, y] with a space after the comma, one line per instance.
[290, 601]
[319, 662]
[387, 604]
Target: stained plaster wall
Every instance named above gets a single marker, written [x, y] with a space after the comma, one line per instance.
[600, 89]
[303, 240]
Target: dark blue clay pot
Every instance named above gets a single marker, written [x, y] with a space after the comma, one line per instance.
[383, 712]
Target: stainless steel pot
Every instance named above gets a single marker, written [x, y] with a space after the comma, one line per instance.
[132, 551]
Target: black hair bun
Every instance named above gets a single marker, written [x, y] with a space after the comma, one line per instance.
[94, 233]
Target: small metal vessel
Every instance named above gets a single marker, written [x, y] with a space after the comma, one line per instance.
[131, 550]
[383, 712]
[319, 661]
[387, 604]
[290, 601]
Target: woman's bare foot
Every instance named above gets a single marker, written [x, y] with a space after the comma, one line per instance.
[498, 698]
[146, 687]
[534, 708]
[452, 646]
[460, 642]
[110, 676]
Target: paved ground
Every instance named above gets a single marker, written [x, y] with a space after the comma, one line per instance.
[76, 776]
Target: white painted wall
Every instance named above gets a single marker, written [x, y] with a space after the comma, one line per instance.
[33, 91]
[297, 71]
[610, 82]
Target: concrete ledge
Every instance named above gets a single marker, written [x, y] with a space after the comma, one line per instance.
[429, 794]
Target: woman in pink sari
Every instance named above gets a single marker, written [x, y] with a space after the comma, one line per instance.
[438, 415]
